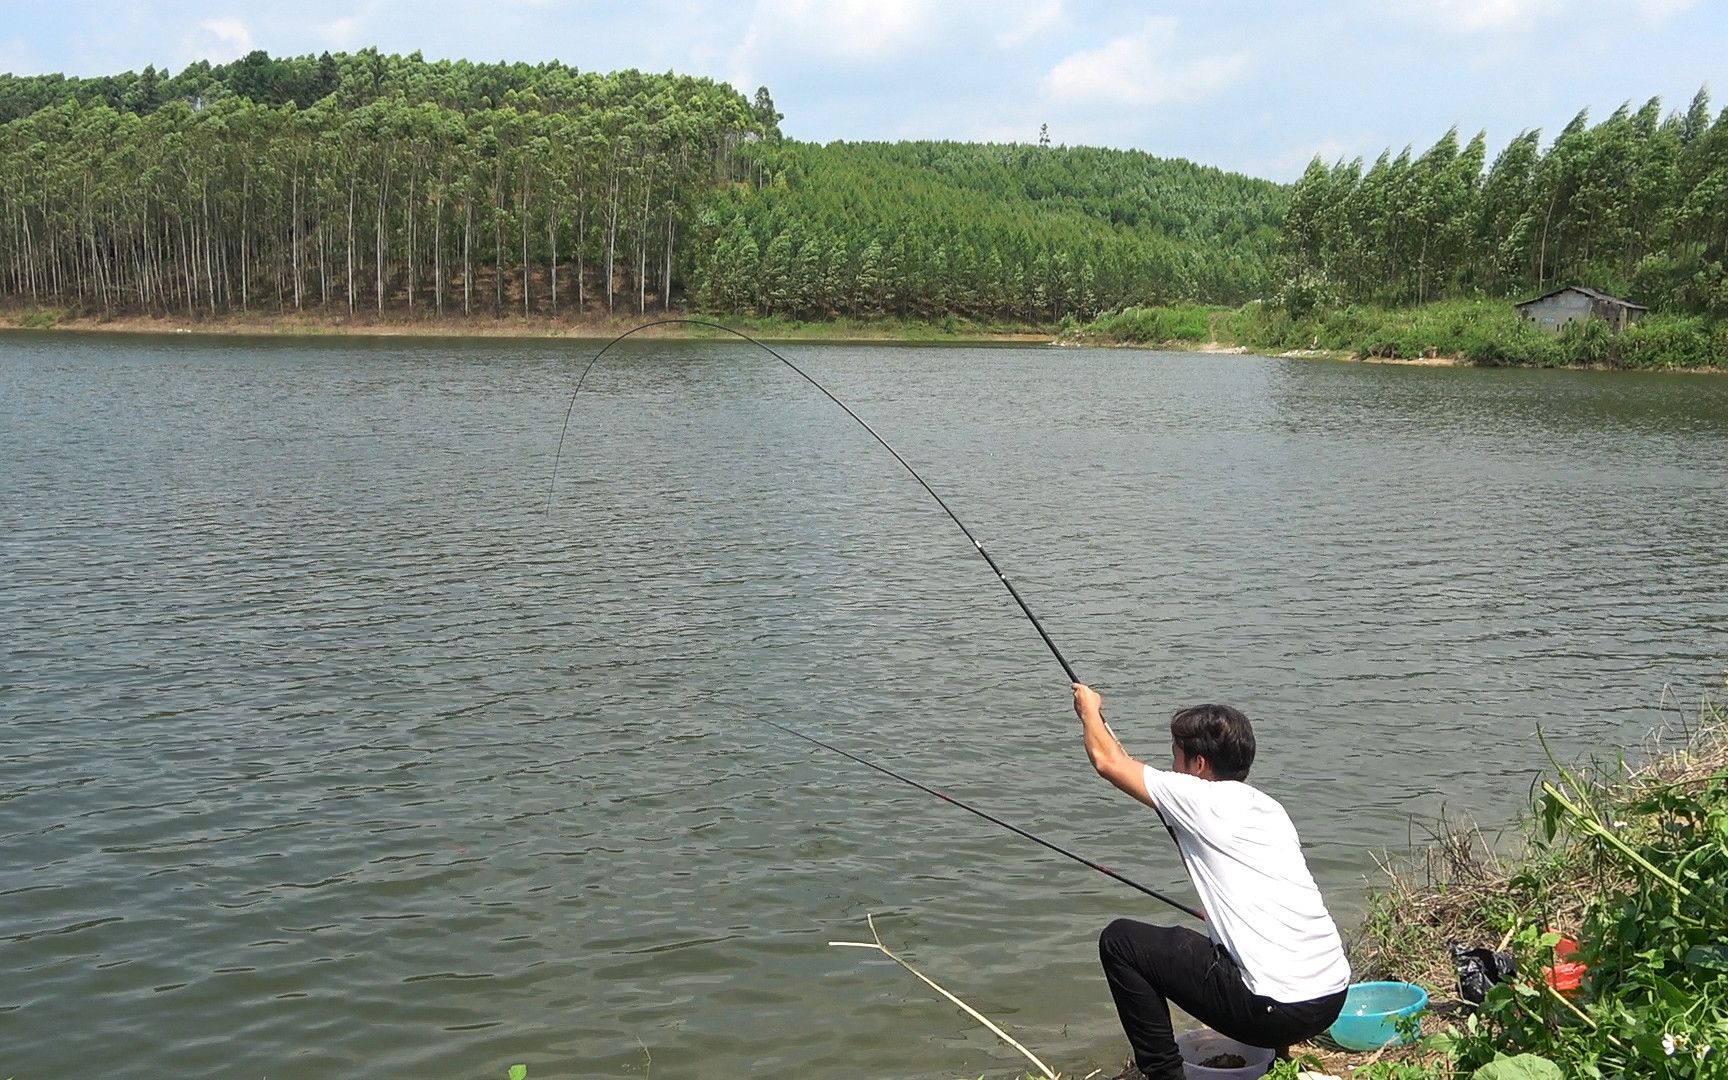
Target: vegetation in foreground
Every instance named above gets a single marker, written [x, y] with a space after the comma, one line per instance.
[1630, 863]
[1485, 332]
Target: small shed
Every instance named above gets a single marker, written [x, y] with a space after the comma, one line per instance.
[1553, 310]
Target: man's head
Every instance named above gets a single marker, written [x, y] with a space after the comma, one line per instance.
[1212, 741]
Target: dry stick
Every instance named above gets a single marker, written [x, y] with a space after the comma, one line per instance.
[970, 1011]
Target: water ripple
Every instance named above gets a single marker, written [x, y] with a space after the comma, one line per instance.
[332, 752]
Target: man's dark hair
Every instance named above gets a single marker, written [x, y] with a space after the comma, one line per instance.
[1218, 733]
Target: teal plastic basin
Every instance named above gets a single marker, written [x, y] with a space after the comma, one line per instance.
[1371, 1013]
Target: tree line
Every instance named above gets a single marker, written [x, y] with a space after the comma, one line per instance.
[991, 232]
[366, 182]
[359, 181]
[1636, 205]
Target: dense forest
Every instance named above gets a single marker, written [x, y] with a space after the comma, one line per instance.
[365, 182]
[359, 181]
[1636, 205]
[989, 232]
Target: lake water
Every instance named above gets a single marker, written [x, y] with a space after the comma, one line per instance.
[330, 750]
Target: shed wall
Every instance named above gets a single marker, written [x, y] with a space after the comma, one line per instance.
[1554, 312]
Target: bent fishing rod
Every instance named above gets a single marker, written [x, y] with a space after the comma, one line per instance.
[1000, 576]
[952, 516]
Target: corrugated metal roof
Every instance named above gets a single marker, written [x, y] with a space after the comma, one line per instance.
[1591, 293]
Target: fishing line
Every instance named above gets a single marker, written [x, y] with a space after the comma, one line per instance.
[1000, 576]
[945, 797]
[952, 516]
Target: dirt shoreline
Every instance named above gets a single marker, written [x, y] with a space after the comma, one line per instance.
[604, 329]
[513, 326]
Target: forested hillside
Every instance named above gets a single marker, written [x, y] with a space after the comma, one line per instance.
[1015, 232]
[1636, 205]
[357, 181]
[393, 185]
[389, 184]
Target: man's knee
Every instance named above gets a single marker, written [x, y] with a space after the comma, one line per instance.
[1113, 939]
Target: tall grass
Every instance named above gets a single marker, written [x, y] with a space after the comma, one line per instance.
[1483, 332]
[1156, 325]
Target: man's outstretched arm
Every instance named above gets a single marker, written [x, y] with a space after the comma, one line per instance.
[1102, 747]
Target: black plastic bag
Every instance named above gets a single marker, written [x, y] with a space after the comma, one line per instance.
[1479, 969]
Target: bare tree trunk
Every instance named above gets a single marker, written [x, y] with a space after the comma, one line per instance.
[294, 235]
[351, 182]
[438, 253]
[378, 241]
[245, 221]
[666, 278]
[191, 271]
[209, 265]
[611, 240]
[1542, 256]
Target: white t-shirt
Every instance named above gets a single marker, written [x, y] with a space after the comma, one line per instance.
[1261, 902]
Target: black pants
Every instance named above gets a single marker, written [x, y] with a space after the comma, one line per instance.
[1151, 966]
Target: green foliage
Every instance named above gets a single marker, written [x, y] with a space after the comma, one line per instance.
[1672, 341]
[979, 231]
[1484, 332]
[358, 181]
[1655, 1001]
[42, 319]
[518, 1072]
[1636, 204]
[1398, 1070]
[1154, 325]
[1520, 1067]
[362, 181]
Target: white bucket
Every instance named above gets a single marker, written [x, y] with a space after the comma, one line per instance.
[1204, 1043]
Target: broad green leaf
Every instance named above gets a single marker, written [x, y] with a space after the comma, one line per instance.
[1708, 957]
[1522, 1067]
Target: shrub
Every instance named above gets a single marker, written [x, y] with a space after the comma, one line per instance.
[1668, 341]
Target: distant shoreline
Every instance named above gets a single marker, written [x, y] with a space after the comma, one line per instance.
[517, 326]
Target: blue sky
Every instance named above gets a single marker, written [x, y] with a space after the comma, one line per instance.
[1259, 87]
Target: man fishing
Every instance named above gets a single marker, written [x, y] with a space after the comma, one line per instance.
[1272, 971]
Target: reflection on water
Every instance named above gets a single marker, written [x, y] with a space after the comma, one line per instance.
[330, 749]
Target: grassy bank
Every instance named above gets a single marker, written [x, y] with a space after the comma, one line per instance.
[590, 326]
[1628, 862]
[1483, 332]
[1473, 332]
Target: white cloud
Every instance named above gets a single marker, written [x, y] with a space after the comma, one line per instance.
[1470, 16]
[216, 40]
[1045, 15]
[1479, 16]
[863, 30]
[852, 32]
[1663, 9]
[341, 34]
[1141, 70]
